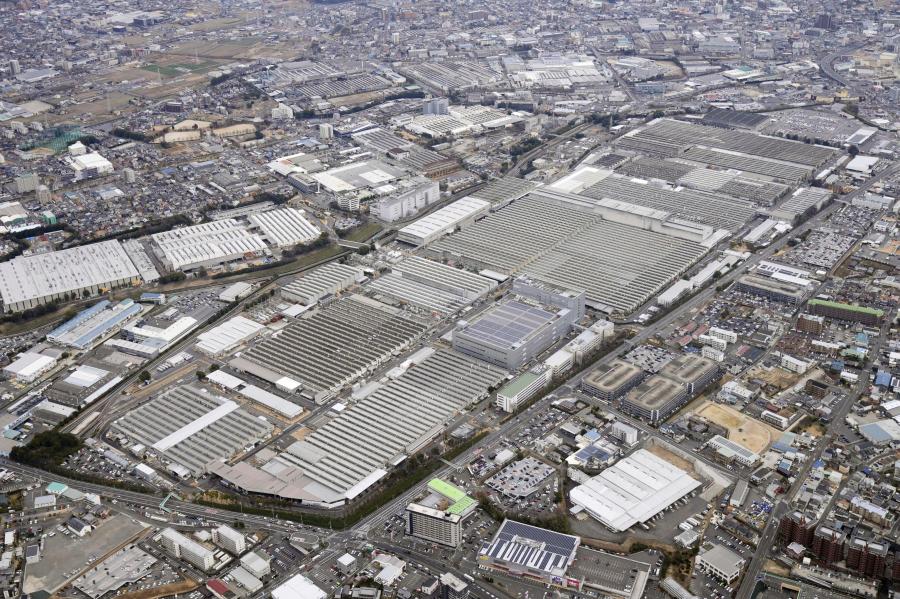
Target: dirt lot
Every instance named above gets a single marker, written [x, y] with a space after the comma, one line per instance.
[670, 457]
[751, 433]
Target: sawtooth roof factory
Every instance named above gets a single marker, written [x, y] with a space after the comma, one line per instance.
[320, 355]
[621, 254]
[328, 467]
[192, 428]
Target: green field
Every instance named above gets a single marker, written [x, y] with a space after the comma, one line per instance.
[174, 70]
[363, 232]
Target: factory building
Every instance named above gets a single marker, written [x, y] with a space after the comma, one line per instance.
[322, 282]
[609, 382]
[284, 227]
[396, 420]
[319, 355]
[633, 490]
[184, 548]
[431, 287]
[207, 244]
[510, 334]
[192, 428]
[620, 264]
[530, 552]
[91, 325]
[457, 215]
[75, 273]
[229, 539]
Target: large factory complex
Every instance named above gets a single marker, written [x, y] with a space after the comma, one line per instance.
[485, 293]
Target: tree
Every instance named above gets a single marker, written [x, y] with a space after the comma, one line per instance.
[853, 150]
[144, 376]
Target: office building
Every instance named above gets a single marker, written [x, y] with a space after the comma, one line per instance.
[780, 291]
[720, 562]
[730, 451]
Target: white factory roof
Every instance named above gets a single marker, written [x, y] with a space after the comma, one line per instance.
[207, 243]
[257, 394]
[85, 376]
[29, 364]
[228, 335]
[633, 490]
[298, 587]
[90, 160]
[168, 334]
[195, 426]
[96, 264]
[862, 164]
[580, 179]
[445, 219]
[285, 227]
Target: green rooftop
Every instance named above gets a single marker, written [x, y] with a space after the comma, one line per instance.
[461, 502]
[851, 307]
[518, 384]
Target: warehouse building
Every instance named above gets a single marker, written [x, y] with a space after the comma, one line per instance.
[530, 552]
[512, 333]
[192, 428]
[207, 244]
[459, 214]
[319, 355]
[184, 548]
[611, 381]
[438, 516]
[229, 335]
[398, 419]
[322, 282]
[79, 272]
[29, 366]
[501, 192]
[284, 227]
[633, 490]
[91, 325]
[407, 199]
